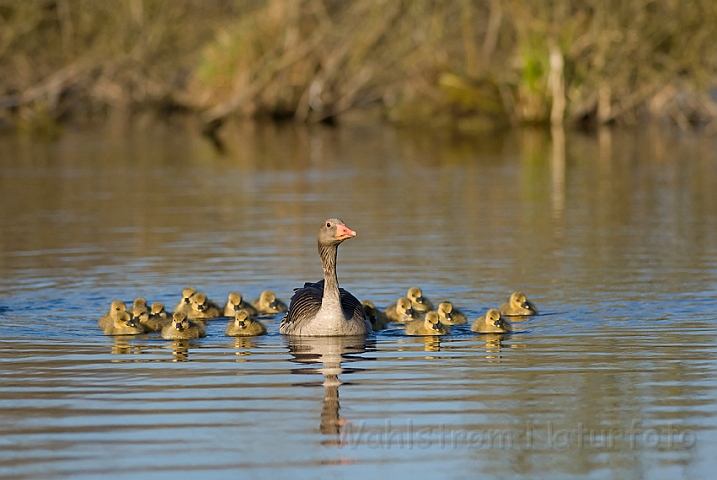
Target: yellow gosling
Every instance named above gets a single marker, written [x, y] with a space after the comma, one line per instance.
[450, 315]
[245, 326]
[183, 304]
[181, 328]
[106, 320]
[236, 302]
[379, 320]
[124, 324]
[200, 308]
[153, 322]
[419, 303]
[401, 311]
[492, 322]
[517, 305]
[431, 325]
[268, 304]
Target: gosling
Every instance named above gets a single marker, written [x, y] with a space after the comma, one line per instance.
[401, 311]
[200, 308]
[492, 322]
[245, 326]
[184, 303]
[419, 303]
[181, 328]
[450, 315]
[518, 305]
[236, 302]
[268, 304]
[379, 320]
[123, 324]
[431, 325]
[107, 320]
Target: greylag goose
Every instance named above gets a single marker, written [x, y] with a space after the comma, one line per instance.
[492, 322]
[244, 326]
[180, 328]
[431, 325]
[419, 303]
[518, 305]
[268, 304]
[323, 309]
[236, 302]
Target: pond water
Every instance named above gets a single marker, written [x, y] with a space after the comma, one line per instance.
[613, 236]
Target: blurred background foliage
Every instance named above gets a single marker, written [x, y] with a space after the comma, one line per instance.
[470, 65]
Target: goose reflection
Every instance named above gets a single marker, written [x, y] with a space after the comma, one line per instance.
[180, 350]
[493, 346]
[243, 347]
[124, 346]
[330, 353]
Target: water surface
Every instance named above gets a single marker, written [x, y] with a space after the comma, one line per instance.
[613, 236]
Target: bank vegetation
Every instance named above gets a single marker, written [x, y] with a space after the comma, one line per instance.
[470, 65]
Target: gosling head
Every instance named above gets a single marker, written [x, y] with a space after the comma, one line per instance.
[235, 299]
[157, 308]
[268, 298]
[432, 321]
[140, 302]
[445, 310]
[124, 319]
[368, 307]
[403, 306]
[138, 313]
[179, 321]
[241, 319]
[117, 306]
[518, 299]
[199, 302]
[187, 294]
[493, 317]
[415, 294]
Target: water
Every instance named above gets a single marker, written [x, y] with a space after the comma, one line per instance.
[613, 237]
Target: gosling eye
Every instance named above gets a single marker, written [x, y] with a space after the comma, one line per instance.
[328, 224]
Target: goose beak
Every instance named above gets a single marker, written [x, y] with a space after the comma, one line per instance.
[343, 232]
[525, 305]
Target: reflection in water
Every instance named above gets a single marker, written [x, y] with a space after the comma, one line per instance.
[243, 345]
[331, 352]
[127, 345]
[629, 267]
[557, 168]
[432, 343]
[493, 346]
[180, 350]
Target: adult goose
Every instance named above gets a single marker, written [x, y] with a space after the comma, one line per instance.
[322, 309]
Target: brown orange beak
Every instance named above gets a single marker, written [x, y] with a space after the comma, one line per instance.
[343, 232]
